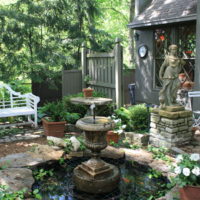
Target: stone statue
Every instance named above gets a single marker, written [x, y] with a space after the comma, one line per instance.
[168, 73]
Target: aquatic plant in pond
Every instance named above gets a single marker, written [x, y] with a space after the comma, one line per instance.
[135, 183]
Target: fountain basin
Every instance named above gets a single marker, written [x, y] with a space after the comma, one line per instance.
[101, 124]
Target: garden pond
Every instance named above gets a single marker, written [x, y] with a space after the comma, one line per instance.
[137, 182]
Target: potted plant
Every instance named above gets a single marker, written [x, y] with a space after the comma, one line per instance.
[188, 176]
[187, 85]
[87, 92]
[54, 119]
[182, 77]
[113, 135]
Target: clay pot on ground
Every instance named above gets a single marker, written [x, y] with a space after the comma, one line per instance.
[182, 77]
[188, 85]
[87, 92]
[55, 129]
[111, 136]
[190, 193]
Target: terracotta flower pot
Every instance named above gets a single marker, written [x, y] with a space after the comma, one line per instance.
[188, 85]
[55, 129]
[87, 92]
[190, 193]
[111, 136]
[182, 77]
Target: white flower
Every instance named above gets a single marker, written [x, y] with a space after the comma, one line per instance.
[116, 121]
[196, 171]
[109, 117]
[120, 131]
[195, 157]
[123, 126]
[177, 170]
[186, 171]
[179, 158]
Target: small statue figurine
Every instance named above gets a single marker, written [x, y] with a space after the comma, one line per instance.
[168, 73]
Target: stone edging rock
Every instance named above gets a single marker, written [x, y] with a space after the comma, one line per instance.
[19, 163]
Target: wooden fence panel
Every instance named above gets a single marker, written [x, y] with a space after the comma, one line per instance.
[105, 71]
[71, 82]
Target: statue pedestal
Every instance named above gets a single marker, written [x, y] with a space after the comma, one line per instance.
[171, 127]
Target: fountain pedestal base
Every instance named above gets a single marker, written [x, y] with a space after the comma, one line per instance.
[96, 176]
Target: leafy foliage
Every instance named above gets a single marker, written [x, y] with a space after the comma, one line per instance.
[72, 108]
[125, 115]
[54, 111]
[39, 38]
[5, 194]
[10, 131]
[71, 118]
[42, 173]
[139, 117]
[159, 153]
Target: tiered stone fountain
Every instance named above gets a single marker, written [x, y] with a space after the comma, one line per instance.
[95, 176]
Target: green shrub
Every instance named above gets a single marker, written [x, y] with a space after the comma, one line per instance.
[71, 118]
[106, 110]
[74, 108]
[98, 94]
[125, 115]
[139, 117]
[21, 86]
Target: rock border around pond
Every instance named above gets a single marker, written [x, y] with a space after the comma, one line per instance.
[43, 154]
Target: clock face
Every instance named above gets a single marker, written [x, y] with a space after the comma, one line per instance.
[142, 51]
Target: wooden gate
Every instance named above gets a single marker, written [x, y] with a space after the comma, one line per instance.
[104, 71]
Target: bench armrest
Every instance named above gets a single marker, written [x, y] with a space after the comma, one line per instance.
[32, 100]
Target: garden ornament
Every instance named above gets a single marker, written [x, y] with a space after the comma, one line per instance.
[169, 73]
[75, 143]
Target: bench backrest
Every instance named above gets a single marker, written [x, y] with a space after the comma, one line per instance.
[10, 99]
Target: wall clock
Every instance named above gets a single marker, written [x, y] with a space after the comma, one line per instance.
[142, 51]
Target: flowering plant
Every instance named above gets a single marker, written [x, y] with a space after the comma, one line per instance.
[119, 127]
[187, 170]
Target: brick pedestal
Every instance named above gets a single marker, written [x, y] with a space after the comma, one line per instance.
[170, 127]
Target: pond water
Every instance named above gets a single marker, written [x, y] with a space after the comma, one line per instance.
[135, 183]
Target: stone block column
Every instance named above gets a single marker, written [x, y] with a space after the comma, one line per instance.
[171, 127]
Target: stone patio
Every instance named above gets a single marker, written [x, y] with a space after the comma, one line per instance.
[43, 154]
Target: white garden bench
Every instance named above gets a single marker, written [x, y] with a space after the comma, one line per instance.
[14, 104]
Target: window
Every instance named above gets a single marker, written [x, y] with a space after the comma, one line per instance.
[185, 36]
[187, 47]
[162, 41]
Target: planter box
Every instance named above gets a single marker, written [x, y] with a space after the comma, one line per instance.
[55, 129]
[112, 137]
[137, 138]
[190, 193]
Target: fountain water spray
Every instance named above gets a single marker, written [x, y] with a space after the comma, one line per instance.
[92, 107]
